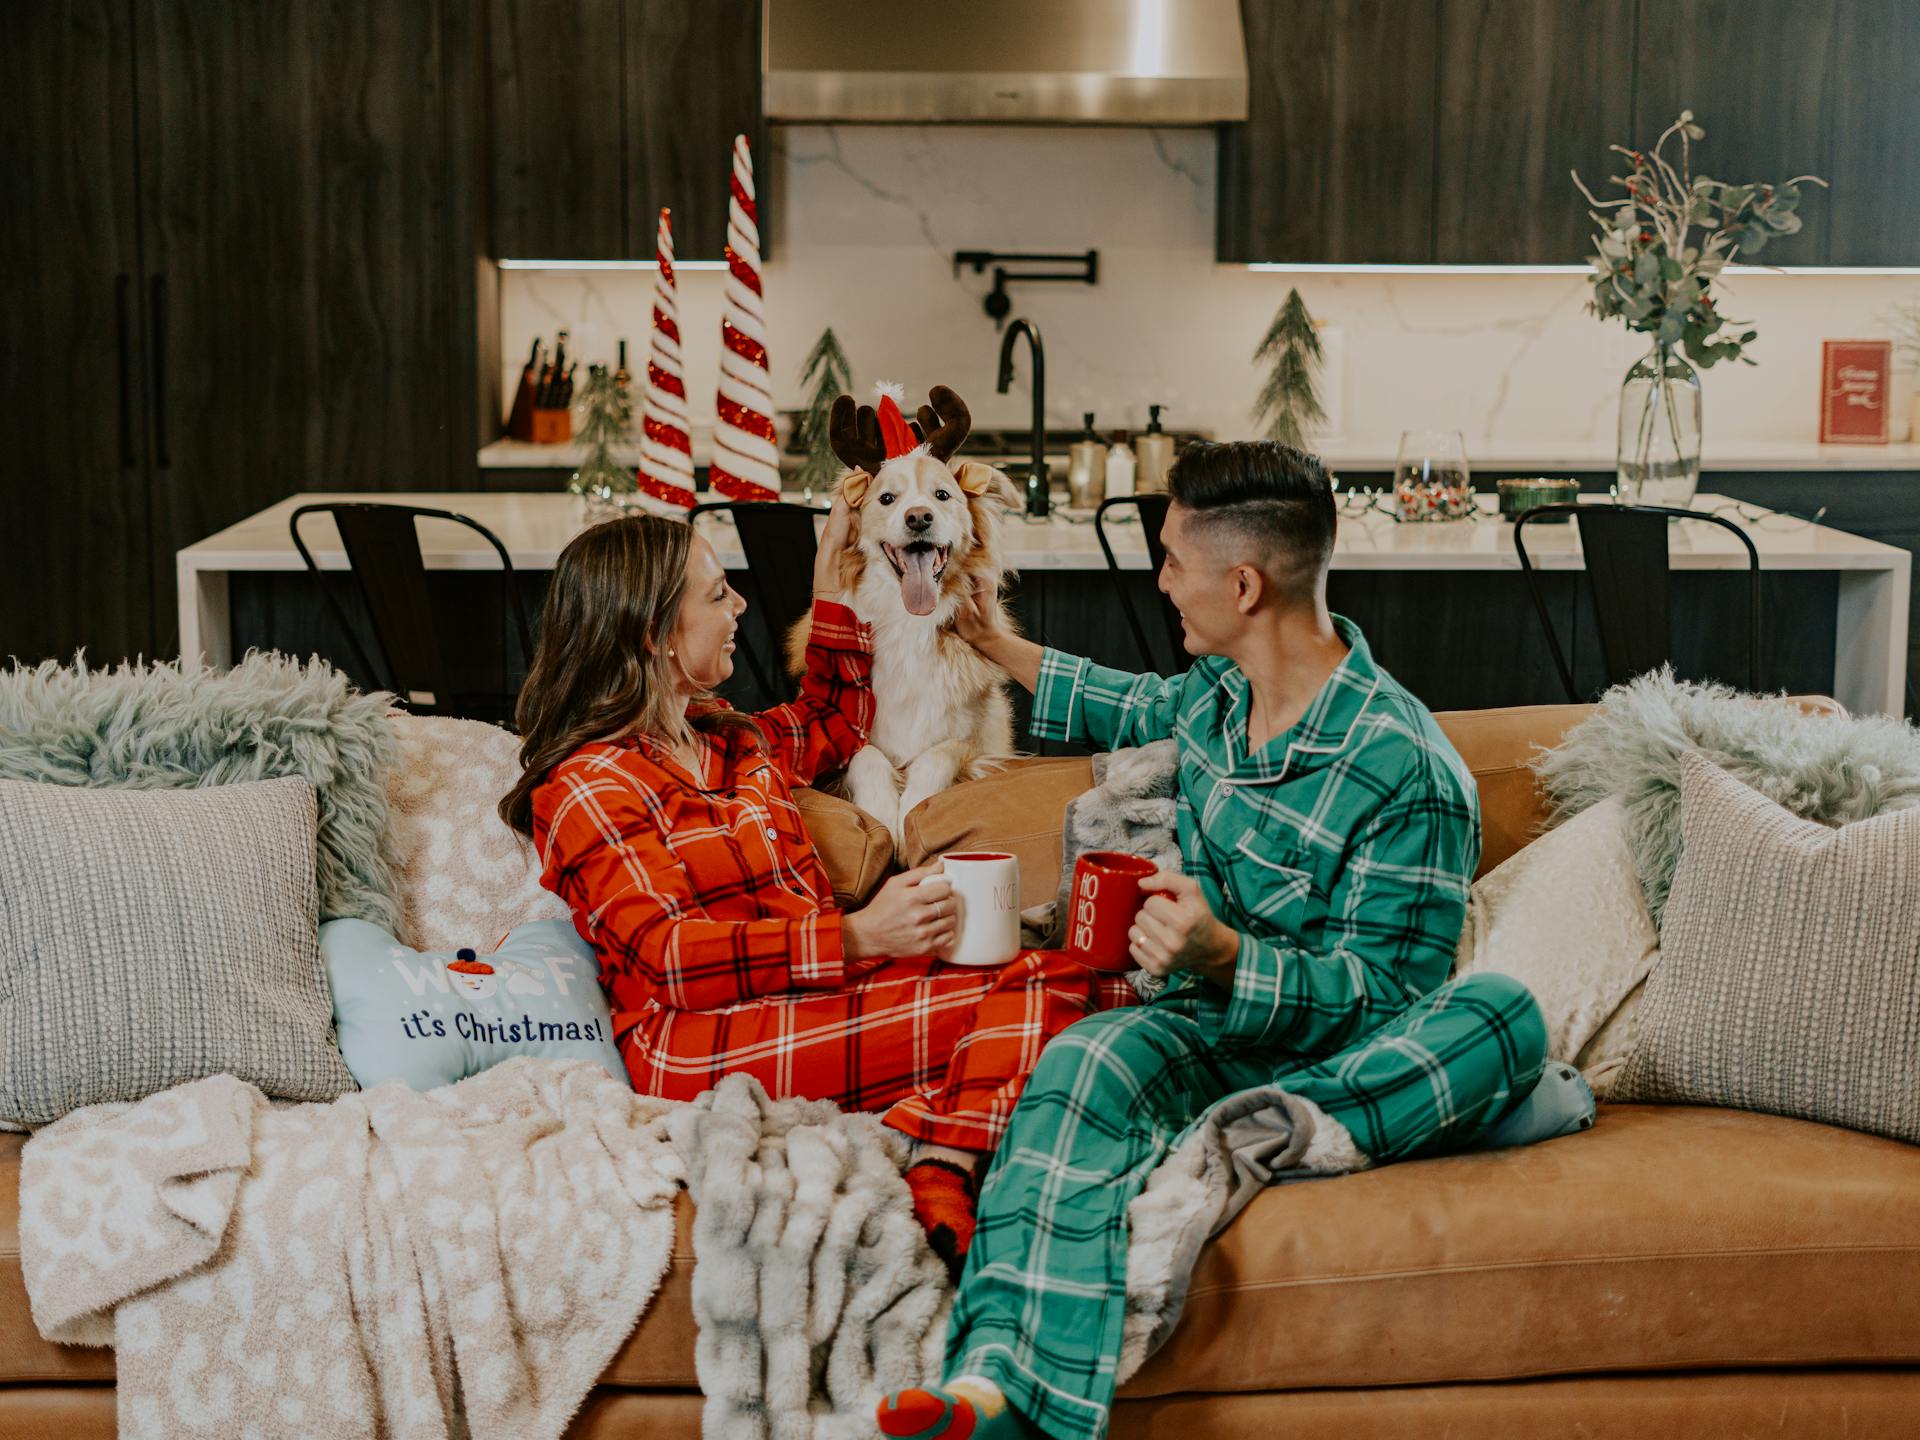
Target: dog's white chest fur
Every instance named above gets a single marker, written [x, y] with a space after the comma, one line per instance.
[926, 691]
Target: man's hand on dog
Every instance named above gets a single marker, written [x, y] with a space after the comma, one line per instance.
[977, 621]
[981, 622]
[833, 544]
[1176, 930]
[914, 913]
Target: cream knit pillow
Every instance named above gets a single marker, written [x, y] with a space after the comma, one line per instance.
[464, 877]
[1790, 974]
[1566, 918]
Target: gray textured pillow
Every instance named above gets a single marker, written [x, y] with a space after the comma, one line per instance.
[153, 936]
[1789, 974]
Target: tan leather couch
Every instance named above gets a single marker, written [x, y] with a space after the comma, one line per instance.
[1672, 1272]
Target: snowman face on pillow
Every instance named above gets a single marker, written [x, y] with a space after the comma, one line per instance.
[472, 976]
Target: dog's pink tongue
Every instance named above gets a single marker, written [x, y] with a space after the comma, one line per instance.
[917, 588]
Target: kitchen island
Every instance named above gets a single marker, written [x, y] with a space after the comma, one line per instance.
[1444, 605]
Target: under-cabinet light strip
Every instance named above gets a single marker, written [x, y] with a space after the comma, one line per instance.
[609, 264]
[1286, 267]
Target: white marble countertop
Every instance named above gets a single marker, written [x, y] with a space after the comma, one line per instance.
[1870, 623]
[1545, 458]
[535, 526]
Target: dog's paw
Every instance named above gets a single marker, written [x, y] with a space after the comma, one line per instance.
[873, 784]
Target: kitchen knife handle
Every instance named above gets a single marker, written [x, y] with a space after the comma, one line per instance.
[157, 305]
[122, 292]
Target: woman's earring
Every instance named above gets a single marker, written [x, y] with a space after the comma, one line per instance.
[670, 652]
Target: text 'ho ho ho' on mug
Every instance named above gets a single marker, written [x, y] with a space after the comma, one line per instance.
[986, 894]
[1104, 899]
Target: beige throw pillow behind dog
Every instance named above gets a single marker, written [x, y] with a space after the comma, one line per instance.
[1567, 918]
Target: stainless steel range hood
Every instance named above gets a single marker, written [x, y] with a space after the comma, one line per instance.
[1079, 62]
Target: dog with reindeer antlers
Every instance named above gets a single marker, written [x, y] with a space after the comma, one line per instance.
[925, 532]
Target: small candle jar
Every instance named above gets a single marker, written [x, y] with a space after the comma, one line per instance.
[1519, 496]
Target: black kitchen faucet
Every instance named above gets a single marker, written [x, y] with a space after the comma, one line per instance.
[1037, 472]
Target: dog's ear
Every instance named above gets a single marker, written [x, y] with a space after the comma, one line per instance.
[978, 479]
[853, 487]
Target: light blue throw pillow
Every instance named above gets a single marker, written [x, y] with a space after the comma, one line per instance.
[430, 1019]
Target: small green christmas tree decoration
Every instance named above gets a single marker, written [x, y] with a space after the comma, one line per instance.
[827, 376]
[1289, 405]
[606, 421]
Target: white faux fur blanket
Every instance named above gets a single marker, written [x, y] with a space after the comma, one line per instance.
[394, 1264]
[813, 1286]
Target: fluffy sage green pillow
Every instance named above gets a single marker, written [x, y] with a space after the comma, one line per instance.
[1789, 972]
[150, 937]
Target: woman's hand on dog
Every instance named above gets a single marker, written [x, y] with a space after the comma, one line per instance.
[833, 544]
[913, 914]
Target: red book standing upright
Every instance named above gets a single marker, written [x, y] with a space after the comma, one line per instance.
[1853, 391]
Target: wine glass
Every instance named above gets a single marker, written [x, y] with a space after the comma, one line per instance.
[1430, 478]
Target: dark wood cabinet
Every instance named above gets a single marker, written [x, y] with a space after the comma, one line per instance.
[555, 73]
[1444, 130]
[310, 297]
[265, 285]
[1335, 161]
[603, 111]
[1528, 91]
[1757, 75]
[74, 564]
[1873, 208]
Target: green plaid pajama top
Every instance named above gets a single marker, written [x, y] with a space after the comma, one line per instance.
[1342, 854]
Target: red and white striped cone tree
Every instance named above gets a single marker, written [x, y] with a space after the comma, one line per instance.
[746, 461]
[666, 454]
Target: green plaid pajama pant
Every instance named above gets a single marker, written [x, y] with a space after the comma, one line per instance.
[1041, 1302]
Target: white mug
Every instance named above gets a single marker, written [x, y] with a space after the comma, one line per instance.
[986, 896]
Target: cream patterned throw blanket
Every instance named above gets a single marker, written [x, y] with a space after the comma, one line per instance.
[464, 1261]
[467, 1261]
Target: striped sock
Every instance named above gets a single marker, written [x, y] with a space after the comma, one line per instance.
[967, 1408]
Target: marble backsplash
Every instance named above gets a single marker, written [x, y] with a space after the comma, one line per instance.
[865, 220]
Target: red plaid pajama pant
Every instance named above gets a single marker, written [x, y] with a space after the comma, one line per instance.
[944, 1050]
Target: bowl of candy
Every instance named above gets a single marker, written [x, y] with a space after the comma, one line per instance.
[1431, 480]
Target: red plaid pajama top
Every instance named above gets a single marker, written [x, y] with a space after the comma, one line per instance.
[720, 946]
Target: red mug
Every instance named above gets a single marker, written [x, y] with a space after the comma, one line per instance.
[1101, 906]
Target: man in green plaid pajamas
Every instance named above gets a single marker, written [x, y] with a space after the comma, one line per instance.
[1329, 834]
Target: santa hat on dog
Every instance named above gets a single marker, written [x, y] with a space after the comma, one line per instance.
[896, 435]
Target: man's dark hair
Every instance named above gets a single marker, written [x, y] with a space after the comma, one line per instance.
[1272, 496]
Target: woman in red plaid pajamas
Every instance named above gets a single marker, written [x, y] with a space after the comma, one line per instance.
[666, 821]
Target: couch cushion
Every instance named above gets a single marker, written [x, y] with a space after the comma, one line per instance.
[855, 849]
[1666, 1237]
[1017, 809]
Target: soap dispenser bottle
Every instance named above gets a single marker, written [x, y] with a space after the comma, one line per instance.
[1119, 466]
[1086, 469]
[1153, 455]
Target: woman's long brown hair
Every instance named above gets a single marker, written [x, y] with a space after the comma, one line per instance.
[601, 668]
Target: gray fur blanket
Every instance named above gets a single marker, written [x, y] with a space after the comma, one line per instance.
[813, 1286]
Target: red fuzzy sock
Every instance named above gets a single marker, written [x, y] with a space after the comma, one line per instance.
[943, 1204]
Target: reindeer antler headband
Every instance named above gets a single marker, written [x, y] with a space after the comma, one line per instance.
[865, 437]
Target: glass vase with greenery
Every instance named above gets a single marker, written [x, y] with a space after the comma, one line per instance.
[1658, 252]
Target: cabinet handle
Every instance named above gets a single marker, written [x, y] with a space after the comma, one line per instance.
[122, 290]
[157, 305]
